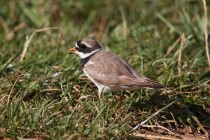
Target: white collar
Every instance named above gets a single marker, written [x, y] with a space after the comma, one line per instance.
[85, 55]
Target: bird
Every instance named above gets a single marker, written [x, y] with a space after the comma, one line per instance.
[108, 71]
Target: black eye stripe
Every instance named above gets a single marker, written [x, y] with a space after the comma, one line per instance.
[78, 42]
[87, 46]
[81, 45]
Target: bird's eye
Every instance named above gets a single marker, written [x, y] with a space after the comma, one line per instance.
[83, 46]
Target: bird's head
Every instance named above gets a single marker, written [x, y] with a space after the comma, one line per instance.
[85, 47]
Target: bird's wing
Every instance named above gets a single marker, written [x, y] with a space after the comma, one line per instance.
[105, 69]
[139, 82]
[111, 70]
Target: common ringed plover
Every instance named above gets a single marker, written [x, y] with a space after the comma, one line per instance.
[108, 71]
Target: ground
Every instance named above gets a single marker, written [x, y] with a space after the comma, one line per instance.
[45, 95]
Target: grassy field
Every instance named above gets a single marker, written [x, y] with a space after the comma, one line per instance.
[45, 95]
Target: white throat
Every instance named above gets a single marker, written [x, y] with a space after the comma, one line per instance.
[85, 55]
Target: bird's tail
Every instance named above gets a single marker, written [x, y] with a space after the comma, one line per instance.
[151, 84]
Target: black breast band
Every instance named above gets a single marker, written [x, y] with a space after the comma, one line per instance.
[85, 60]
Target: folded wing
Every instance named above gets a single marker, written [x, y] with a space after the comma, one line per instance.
[111, 70]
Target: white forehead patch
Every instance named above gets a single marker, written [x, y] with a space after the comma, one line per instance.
[76, 45]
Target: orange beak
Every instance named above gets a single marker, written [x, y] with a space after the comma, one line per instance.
[72, 50]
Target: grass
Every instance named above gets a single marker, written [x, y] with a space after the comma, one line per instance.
[47, 96]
